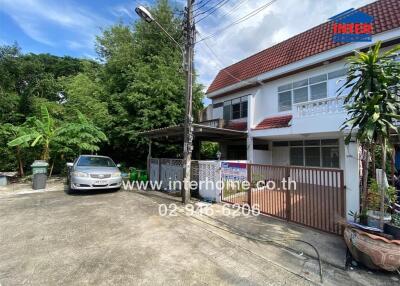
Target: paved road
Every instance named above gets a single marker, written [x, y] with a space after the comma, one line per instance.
[51, 238]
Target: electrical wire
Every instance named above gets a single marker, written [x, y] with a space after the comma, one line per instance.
[240, 20]
[223, 69]
[204, 4]
[212, 9]
[233, 8]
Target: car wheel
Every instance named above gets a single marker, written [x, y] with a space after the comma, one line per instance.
[70, 190]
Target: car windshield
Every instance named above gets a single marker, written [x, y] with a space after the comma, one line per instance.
[95, 162]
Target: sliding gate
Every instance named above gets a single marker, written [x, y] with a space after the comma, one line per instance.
[313, 197]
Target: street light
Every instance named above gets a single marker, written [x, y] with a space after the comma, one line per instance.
[144, 14]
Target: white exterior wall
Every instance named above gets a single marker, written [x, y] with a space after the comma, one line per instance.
[351, 177]
[267, 106]
[263, 103]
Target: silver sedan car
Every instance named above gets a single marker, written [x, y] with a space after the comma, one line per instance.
[92, 172]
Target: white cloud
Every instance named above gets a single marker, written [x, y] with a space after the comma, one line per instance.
[123, 10]
[37, 18]
[280, 21]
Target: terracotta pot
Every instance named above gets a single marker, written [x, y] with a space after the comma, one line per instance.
[373, 251]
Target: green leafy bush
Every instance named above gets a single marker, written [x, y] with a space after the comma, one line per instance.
[374, 196]
[396, 219]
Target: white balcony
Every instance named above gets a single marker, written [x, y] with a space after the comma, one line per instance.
[331, 105]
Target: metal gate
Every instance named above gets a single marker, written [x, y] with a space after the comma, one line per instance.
[314, 197]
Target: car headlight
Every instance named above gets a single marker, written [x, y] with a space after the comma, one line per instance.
[116, 174]
[80, 174]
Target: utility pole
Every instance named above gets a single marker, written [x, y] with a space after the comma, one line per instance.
[189, 29]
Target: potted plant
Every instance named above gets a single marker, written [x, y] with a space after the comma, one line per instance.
[393, 228]
[374, 199]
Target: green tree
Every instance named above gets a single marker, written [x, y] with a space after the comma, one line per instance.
[41, 131]
[82, 93]
[9, 132]
[373, 103]
[145, 80]
[44, 131]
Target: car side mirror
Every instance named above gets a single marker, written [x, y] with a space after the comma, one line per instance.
[69, 165]
[118, 165]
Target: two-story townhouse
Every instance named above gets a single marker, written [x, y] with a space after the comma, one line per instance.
[286, 98]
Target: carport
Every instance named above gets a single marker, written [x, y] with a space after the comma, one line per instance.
[201, 132]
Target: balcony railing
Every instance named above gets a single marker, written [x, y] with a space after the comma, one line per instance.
[218, 123]
[324, 106]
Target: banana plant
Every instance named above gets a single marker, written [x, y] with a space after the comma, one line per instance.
[81, 135]
[39, 131]
[11, 131]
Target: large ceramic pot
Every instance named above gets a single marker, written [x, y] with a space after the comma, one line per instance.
[373, 251]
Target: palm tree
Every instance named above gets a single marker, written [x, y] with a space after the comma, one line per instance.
[373, 103]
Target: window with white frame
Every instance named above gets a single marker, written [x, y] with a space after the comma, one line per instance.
[313, 153]
[313, 88]
[235, 108]
[285, 97]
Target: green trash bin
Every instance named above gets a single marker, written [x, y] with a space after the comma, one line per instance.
[142, 176]
[39, 172]
[133, 174]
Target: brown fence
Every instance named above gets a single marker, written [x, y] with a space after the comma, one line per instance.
[313, 197]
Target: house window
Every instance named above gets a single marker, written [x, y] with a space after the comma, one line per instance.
[235, 108]
[243, 108]
[280, 143]
[318, 91]
[313, 153]
[227, 110]
[330, 153]
[313, 88]
[296, 156]
[285, 100]
[300, 94]
[312, 157]
[338, 73]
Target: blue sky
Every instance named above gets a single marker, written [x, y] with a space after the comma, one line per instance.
[69, 27]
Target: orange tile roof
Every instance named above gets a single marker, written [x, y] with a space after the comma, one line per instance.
[274, 122]
[241, 126]
[386, 15]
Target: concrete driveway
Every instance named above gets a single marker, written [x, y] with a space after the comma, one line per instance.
[119, 238]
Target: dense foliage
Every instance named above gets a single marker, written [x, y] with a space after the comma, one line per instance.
[136, 85]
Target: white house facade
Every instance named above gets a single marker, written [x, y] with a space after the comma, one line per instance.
[293, 113]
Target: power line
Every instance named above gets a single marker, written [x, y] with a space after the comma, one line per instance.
[212, 9]
[238, 21]
[202, 3]
[220, 64]
[234, 8]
